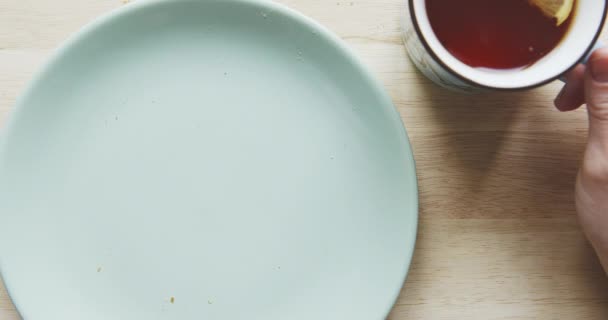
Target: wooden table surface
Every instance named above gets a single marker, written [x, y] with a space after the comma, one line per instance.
[498, 235]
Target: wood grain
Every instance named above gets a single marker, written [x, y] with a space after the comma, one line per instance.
[498, 234]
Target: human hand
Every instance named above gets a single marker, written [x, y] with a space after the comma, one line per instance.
[589, 84]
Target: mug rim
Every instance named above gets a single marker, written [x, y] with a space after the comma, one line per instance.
[468, 81]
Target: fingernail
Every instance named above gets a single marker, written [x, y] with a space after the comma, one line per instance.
[599, 69]
[558, 100]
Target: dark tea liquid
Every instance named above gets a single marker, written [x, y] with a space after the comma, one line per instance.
[498, 34]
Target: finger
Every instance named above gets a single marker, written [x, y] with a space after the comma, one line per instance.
[596, 96]
[572, 95]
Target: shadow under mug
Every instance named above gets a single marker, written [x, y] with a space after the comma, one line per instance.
[437, 64]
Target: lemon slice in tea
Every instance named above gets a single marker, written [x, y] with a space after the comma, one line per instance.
[558, 9]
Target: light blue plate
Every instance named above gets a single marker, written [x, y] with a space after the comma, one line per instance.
[205, 160]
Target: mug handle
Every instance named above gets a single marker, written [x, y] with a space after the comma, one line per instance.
[586, 58]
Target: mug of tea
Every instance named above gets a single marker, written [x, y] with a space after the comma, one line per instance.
[474, 45]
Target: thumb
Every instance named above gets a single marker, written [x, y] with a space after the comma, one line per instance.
[596, 96]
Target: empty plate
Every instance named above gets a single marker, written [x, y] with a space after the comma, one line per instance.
[205, 160]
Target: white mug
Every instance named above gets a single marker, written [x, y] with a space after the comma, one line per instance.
[439, 65]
